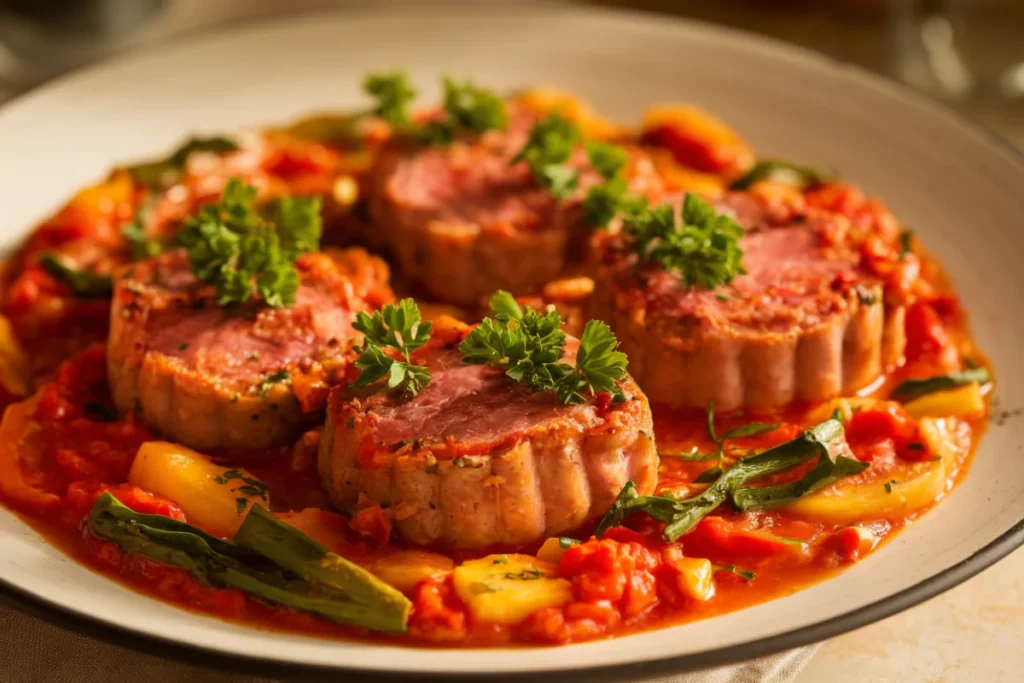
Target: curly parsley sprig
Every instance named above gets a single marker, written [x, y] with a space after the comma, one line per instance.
[466, 107]
[530, 345]
[244, 255]
[703, 249]
[397, 327]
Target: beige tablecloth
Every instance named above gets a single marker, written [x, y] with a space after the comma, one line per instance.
[33, 651]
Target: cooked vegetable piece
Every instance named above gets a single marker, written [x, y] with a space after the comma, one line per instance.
[832, 466]
[220, 563]
[784, 172]
[214, 498]
[300, 554]
[964, 401]
[825, 440]
[165, 172]
[405, 569]
[505, 589]
[910, 389]
[695, 578]
[82, 283]
[889, 499]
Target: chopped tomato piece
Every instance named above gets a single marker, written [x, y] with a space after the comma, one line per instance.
[717, 536]
[927, 338]
[374, 522]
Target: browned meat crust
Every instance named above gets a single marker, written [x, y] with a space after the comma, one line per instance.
[466, 222]
[243, 377]
[805, 323]
[475, 460]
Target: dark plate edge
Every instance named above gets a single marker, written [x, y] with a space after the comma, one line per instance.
[937, 584]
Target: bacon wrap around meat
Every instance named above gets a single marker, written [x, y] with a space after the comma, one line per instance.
[475, 460]
[240, 376]
[805, 322]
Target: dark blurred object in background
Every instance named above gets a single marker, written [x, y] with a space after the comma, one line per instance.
[967, 51]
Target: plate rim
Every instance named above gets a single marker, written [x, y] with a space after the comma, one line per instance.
[156, 644]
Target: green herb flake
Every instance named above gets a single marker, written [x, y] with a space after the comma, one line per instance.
[564, 542]
[731, 568]
[889, 485]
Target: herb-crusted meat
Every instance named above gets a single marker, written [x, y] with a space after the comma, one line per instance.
[465, 221]
[242, 376]
[804, 322]
[474, 459]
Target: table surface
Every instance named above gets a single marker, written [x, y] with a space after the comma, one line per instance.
[974, 632]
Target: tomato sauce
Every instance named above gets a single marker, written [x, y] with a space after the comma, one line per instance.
[65, 445]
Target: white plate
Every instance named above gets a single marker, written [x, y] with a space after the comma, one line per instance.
[960, 188]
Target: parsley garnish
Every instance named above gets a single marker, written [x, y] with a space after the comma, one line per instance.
[704, 250]
[564, 542]
[467, 108]
[530, 345]
[547, 151]
[243, 254]
[398, 327]
[889, 485]
[85, 284]
[607, 159]
[394, 94]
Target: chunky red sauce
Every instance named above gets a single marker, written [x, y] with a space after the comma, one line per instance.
[64, 445]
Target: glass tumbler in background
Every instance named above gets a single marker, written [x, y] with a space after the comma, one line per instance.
[959, 49]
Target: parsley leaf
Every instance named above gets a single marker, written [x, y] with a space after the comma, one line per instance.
[704, 250]
[398, 327]
[239, 252]
[85, 284]
[394, 94]
[530, 345]
[547, 152]
[466, 108]
[598, 365]
[470, 107]
[607, 159]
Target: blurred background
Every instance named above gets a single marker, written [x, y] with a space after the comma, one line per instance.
[967, 52]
